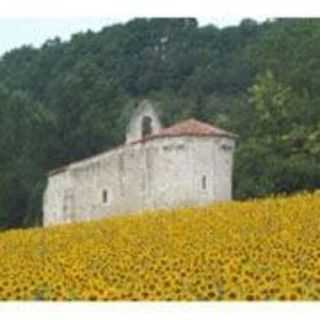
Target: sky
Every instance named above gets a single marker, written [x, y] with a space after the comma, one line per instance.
[15, 32]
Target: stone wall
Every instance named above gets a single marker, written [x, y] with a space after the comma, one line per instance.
[162, 172]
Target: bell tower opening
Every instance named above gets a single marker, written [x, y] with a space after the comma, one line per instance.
[146, 126]
[144, 122]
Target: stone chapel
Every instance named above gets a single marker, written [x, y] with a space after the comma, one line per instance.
[187, 164]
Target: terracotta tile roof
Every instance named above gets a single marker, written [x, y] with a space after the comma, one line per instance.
[190, 127]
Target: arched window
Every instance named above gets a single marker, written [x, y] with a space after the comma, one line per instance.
[105, 198]
[146, 126]
[204, 182]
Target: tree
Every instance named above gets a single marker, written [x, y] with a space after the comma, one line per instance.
[280, 143]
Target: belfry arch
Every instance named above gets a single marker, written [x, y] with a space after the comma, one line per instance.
[144, 122]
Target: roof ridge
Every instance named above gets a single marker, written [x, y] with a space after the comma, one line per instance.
[191, 126]
[194, 120]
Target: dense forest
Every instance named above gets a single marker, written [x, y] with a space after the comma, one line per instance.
[69, 100]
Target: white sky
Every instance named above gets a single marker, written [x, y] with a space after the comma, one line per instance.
[15, 32]
[35, 21]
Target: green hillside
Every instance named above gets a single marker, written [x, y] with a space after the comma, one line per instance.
[69, 100]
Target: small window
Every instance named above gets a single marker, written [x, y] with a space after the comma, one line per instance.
[204, 183]
[105, 198]
[226, 147]
[180, 146]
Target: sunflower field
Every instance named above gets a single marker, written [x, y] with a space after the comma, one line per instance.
[266, 249]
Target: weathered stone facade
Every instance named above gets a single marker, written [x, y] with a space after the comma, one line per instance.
[170, 167]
